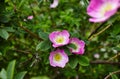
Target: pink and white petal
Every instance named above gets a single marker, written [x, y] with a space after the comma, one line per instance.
[51, 59]
[65, 56]
[110, 13]
[82, 50]
[95, 14]
[66, 36]
[79, 51]
[60, 63]
[80, 46]
[94, 5]
[94, 8]
[112, 1]
[78, 42]
[98, 19]
[30, 17]
[54, 4]
[53, 35]
[82, 43]
[65, 33]
[105, 17]
[66, 41]
[74, 51]
[54, 45]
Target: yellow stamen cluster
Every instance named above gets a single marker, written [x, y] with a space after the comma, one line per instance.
[60, 39]
[57, 57]
[107, 7]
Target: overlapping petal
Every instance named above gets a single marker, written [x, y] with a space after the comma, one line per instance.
[79, 46]
[58, 58]
[59, 38]
[101, 10]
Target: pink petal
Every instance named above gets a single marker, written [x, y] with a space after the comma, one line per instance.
[30, 17]
[80, 46]
[96, 6]
[62, 62]
[54, 4]
[98, 19]
[56, 34]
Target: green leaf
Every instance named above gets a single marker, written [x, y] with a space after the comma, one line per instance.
[4, 18]
[9, 29]
[10, 69]
[20, 75]
[67, 51]
[72, 46]
[6, 1]
[69, 72]
[115, 29]
[81, 69]
[73, 61]
[117, 48]
[3, 74]
[114, 76]
[83, 61]
[43, 35]
[40, 77]
[21, 3]
[4, 34]
[43, 46]
[0, 53]
[76, 34]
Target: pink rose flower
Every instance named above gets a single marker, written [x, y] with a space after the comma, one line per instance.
[59, 38]
[30, 17]
[54, 4]
[79, 46]
[101, 10]
[58, 58]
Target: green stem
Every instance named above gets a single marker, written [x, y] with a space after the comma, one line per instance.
[99, 32]
[115, 72]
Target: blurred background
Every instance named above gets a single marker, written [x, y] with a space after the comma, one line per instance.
[25, 47]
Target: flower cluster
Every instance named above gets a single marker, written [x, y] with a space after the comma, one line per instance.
[101, 10]
[59, 58]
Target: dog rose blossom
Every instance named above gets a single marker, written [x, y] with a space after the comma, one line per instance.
[58, 58]
[54, 4]
[101, 10]
[79, 46]
[59, 38]
[30, 17]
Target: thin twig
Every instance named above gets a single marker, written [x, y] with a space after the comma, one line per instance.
[104, 62]
[21, 26]
[96, 30]
[114, 57]
[115, 72]
[31, 33]
[26, 52]
[99, 32]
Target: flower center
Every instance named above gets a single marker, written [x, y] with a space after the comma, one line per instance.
[107, 7]
[60, 39]
[57, 57]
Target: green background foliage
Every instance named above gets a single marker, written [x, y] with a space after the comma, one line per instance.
[25, 46]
